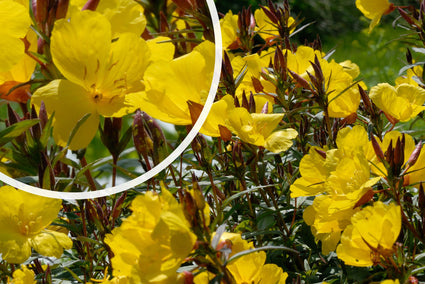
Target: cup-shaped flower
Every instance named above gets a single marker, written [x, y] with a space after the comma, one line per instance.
[151, 244]
[15, 21]
[374, 10]
[402, 102]
[24, 221]
[371, 236]
[258, 129]
[100, 76]
[22, 276]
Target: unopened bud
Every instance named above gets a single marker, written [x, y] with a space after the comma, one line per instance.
[378, 151]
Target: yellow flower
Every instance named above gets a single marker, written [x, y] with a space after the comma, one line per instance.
[24, 221]
[152, 243]
[402, 102]
[374, 10]
[314, 173]
[15, 22]
[251, 268]
[124, 15]
[343, 97]
[371, 236]
[100, 76]
[258, 129]
[22, 276]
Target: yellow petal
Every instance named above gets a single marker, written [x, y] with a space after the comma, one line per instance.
[51, 243]
[161, 49]
[80, 47]
[70, 103]
[281, 140]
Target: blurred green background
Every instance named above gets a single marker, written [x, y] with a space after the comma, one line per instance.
[341, 26]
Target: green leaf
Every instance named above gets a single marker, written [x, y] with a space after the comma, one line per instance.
[16, 130]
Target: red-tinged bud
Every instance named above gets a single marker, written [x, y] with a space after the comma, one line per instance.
[365, 99]
[245, 103]
[258, 87]
[415, 154]
[40, 10]
[195, 110]
[318, 73]
[409, 57]
[321, 153]
[365, 198]
[42, 115]
[236, 102]
[389, 154]
[184, 4]
[421, 200]
[270, 13]
[251, 103]
[91, 5]
[62, 9]
[12, 115]
[300, 80]
[190, 209]
[315, 82]
[399, 154]
[116, 211]
[36, 129]
[406, 17]
[225, 133]
[378, 151]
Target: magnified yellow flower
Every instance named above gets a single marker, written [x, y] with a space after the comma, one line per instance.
[374, 10]
[371, 236]
[402, 102]
[124, 15]
[15, 21]
[22, 276]
[100, 76]
[24, 221]
[152, 243]
[258, 129]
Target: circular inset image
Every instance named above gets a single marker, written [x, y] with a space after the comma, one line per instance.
[89, 112]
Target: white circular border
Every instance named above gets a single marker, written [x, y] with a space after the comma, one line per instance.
[167, 161]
